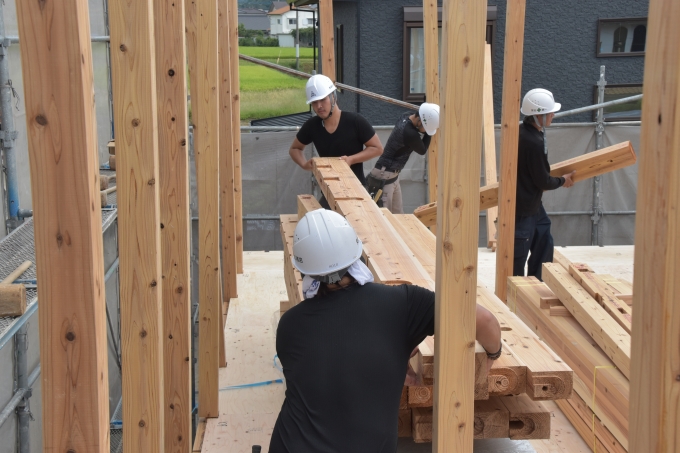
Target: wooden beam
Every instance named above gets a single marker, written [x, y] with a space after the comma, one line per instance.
[490, 172]
[327, 30]
[528, 419]
[492, 419]
[512, 92]
[171, 86]
[431, 42]
[133, 72]
[12, 300]
[606, 332]
[291, 275]
[458, 226]
[421, 424]
[655, 407]
[236, 130]
[306, 203]
[227, 183]
[56, 58]
[205, 96]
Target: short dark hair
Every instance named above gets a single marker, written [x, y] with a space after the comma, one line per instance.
[529, 119]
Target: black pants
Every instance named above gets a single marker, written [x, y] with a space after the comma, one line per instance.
[532, 234]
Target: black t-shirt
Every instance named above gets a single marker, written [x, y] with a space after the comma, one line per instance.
[533, 171]
[403, 140]
[344, 356]
[347, 140]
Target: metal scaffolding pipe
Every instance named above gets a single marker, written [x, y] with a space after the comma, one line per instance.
[103, 38]
[590, 108]
[23, 411]
[13, 403]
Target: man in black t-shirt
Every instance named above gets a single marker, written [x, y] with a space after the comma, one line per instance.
[345, 135]
[344, 350]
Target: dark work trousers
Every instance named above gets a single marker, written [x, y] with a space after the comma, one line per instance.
[532, 234]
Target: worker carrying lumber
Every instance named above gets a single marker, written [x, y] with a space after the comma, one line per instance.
[345, 135]
[532, 224]
[413, 132]
[345, 348]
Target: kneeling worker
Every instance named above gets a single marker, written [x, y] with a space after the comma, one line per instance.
[404, 139]
[335, 133]
[532, 224]
[345, 349]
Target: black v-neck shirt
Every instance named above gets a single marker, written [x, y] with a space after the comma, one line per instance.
[347, 140]
[344, 357]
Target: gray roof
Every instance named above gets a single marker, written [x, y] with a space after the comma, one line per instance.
[294, 119]
[253, 22]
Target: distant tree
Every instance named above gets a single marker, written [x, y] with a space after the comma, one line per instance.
[244, 33]
[307, 36]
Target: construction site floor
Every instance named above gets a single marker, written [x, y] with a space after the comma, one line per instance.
[247, 415]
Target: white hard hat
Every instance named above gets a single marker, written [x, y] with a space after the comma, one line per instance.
[539, 102]
[429, 115]
[325, 244]
[318, 87]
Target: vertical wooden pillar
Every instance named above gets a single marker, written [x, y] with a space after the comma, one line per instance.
[56, 57]
[327, 38]
[655, 352]
[205, 98]
[133, 71]
[229, 249]
[173, 159]
[512, 92]
[431, 35]
[236, 132]
[490, 175]
[458, 226]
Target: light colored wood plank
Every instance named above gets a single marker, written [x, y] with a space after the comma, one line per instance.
[56, 59]
[327, 30]
[226, 124]
[431, 46]
[655, 406]
[236, 130]
[111, 146]
[133, 73]
[490, 172]
[508, 376]
[559, 310]
[512, 97]
[171, 86]
[306, 203]
[564, 438]
[421, 424]
[12, 300]
[205, 99]
[420, 396]
[292, 276]
[492, 419]
[583, 425]
[112, 162]
[16, 273]
[417, 237]
[560, 259]
[200, 435]
[464, 25]
[528, 419]
[610, 336]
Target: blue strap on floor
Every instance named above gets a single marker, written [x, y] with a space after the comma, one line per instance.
[258, 384]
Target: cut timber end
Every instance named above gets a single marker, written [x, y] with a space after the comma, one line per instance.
[12, 300]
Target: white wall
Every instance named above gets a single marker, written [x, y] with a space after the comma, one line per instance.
[284, 27]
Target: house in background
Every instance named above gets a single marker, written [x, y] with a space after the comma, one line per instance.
[284, 20]
[254, 19]
[277, 5]
[379, 47]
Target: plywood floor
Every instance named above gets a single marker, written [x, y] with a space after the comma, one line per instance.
[247, 416]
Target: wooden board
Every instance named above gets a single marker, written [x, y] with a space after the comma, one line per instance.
[291, 275]
[528, 419]
[574, 345]
[508, 375]
[421, 424]
[12, 300]
[610, 336]
[464, 25]
[306, 203]
[327, 30]
[226, 147]
[492, 419]
[200, 435]
[655, 406]
[171, 85]
[431, 47]
[56, 58]
[584, 425]
[205, 83]
[420, 396]
[490, 173]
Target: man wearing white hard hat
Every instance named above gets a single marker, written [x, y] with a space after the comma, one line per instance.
[532, 224]
[412, 132]
[345, 135]
[344, 349]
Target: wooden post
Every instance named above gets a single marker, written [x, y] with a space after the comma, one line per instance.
[229, 249]
[236, 130]
[133, 71]
[490, 175]
[205, 98]
[458, 226]
[431, 35]
[175, 225]
[654, 411]
[327, 38]
[512, 87]
[56, 58]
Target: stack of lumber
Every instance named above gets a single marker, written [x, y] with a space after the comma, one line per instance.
[586, 318]
[586, 166]
[400, 249]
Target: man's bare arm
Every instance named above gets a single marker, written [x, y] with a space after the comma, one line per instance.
[296, 152]
[373, 149]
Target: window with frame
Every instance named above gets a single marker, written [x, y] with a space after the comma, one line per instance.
[278, 21]
[310, 21]
[291, 22]
[629, 111]
[622, 37]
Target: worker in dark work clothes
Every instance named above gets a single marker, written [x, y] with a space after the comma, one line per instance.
[335, 133]
[344, 349]
[532, 225]
[412, 133]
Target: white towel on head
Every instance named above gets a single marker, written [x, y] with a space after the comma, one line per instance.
[361, 273]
